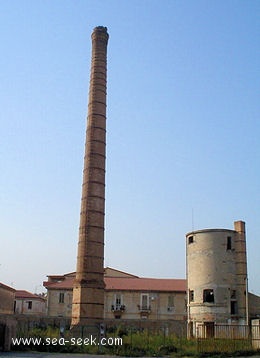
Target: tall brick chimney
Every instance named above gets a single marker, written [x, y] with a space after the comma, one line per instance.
[88, 291]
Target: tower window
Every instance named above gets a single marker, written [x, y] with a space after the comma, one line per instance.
[191, 295]
[190, 239]
[233, 307]
[233, 294]
[208, 296]
[233, 302]
[229, 243]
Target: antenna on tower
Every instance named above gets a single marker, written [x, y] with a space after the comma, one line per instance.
[192, 219]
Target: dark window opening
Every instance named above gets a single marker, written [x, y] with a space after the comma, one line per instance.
[233, 294]
[229, 243]
[191, 295]
[191, 239]
[29, 305]
[233, 307]
[61, 297]
[208, 296]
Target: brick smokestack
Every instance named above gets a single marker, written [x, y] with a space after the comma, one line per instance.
[88, 291]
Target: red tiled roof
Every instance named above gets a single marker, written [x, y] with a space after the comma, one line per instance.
[6, 287]
[145, 284]
[22, 294]
[128, 284]
[66, 284]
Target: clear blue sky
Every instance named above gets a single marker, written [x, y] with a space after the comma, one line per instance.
[183, 131]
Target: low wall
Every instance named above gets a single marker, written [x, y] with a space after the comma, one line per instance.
[8, 325]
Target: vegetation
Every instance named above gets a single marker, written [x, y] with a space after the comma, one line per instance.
[134, 343]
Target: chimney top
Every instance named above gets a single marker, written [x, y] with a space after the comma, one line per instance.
[100, 29]
[100, 32]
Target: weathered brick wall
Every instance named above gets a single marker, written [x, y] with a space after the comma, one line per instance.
[6, 300]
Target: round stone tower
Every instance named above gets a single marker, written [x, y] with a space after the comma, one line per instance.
[216, 277]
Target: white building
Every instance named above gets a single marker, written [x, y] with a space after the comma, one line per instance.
[29, 303]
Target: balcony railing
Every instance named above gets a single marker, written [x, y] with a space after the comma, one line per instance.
[118, 308]
[144, 308]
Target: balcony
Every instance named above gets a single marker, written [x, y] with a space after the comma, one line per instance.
[144, 308]
[117, 308]
[144, 311]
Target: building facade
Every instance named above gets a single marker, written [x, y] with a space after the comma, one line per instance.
[254, 306]
[127, 297]
[7, 297]
[216, 277]
[29, 304]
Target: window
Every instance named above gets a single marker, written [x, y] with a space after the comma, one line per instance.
[233, 302]
[190, 239]
[61, 297]
[29, 305]
[191, 295]
[170, 303]
[208, 296]
[233, 294]
[233, 307]
[229, 243]
[118, 301]
[144, 301]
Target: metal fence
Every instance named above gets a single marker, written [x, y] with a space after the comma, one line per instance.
[220, 338]
[255, 333]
